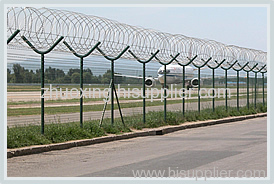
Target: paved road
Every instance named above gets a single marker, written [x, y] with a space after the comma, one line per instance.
[235, 146]
[95, 115]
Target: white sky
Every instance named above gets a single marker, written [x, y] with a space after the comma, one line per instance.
[241, 26]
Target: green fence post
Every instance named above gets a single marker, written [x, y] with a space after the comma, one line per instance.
[81, 74]
[165, 64]
[199, 88]
[112, 78]
[42, 78]
[144, 79]
[183, 76]
[144, 92]
[184, 73]
[253, 90]
[199, 81]
[256, 72]
[81, 88]
[247, 89]
[238, 90]
[226, 101]
[263, 86]
[213, 92]
[165, 87]
[226, 69]
[238, 78]
[42, 53]
[255, 95]
[112, 94]
[247, 82]
[213, 81]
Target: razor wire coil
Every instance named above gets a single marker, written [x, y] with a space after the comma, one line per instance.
[43, 26]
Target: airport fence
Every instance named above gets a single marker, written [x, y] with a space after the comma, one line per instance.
[246, 87]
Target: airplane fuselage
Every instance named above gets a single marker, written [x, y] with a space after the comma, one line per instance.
[174, 74]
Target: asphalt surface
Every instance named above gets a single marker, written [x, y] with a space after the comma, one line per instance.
[96, 115]
[233, 147]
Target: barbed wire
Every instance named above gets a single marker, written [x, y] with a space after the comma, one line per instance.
[43, 26]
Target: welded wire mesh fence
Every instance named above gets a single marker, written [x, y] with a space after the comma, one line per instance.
[49, 50]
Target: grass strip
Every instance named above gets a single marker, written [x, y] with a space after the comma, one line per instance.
[61, 132]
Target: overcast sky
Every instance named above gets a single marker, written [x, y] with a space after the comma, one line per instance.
[241, 26]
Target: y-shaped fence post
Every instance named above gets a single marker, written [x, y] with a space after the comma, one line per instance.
[184, 71]
[213, 81]
[263, 86]
[144, 78]
[199, 81]
[226, 69]
[113, 83]
[255, 86]
[247, 84]
[238, 70]
[256, 72]
[12, 36]
[165, 88]
[42, 53]
[81, 75]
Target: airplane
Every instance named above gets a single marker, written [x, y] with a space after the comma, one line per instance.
[174, 75]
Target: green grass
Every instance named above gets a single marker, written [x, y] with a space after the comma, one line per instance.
[61, 132]
[72, 109]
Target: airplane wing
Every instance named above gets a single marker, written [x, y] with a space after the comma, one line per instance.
[130, 76]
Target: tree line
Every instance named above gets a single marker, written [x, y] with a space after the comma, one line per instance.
[58, 76]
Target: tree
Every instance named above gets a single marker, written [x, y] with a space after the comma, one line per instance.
[75, 78]
[18, 73]
[72, 71]
[99, 79]
[53, 74]
[66, 79]
[9, 75]
[88, 71]
[49, 74]
[28, 77]
[87, 77]
[95, 80]
[60, 74]
[106, 77]
[36, 78]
